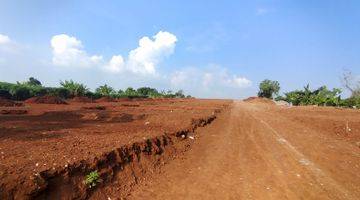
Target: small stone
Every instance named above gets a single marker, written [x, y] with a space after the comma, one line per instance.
[37, 164]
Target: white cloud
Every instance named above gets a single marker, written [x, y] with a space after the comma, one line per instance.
[4, 39]
[116, 64]
[7, 45]
[215, 81]
[69, 51]
[150, 52]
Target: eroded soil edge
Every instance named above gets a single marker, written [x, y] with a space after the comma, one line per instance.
[120, 169]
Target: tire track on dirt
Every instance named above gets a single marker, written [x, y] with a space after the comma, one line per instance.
[303, 160]
[241, 156]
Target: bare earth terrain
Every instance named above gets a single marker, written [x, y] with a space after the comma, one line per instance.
[180, 149]
[260, 151]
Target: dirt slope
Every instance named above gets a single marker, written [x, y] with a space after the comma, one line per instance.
[264, 152]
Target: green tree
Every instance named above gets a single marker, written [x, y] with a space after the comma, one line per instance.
[268, 88]
[105, 90]
[75, 89]
[179, 94]
[147, 91]
[130, 92]
[33, 81]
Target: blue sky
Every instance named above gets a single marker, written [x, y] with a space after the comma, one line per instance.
[208, 48]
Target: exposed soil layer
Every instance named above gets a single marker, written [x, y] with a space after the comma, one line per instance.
[9, 103]
[47, 153]
[13, 112]
[81, 100]
[259, 100]
[259, 151]
[105, 99]
[46, 100]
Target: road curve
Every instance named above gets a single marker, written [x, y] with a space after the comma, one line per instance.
[253, 153]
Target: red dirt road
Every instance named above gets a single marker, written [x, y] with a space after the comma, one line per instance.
[259, 151]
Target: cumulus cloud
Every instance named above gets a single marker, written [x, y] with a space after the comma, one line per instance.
[4, 39]
[7, 45]
[144, 58]
[116, 64]
[69, 51]
[211, 82]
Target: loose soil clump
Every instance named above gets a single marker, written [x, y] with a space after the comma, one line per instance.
[259, 100]
[82, 100]
[13, 112]
[46, 100]
[8, 103]
[105, 99]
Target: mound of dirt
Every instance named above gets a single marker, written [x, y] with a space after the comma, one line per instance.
[81, 100]
[8, 103]
[259, 100]
[105, 99]
[46, 100]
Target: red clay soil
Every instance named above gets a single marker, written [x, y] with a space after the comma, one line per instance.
[81, 100]
[8, 103]
[259, 100]
[47, 153]
[257, 151]
[45, 100]
[105, 99]
[13, 112]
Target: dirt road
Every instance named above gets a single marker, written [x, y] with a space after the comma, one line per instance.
[255, 152]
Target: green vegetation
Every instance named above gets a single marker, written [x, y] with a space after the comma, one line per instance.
[75, 89]
[68, 89]
[92, 179]
[321, 96]
[105, 90]
[268, 88]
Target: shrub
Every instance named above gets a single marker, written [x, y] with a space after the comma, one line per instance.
[268, 88]
[321, 96]
[5, 94]
[105, 90]
[59, 92]
[75, 89]
[92, 179]
[351, 102]
[19, 92]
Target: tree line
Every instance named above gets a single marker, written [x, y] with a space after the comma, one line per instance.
[321, 96]
[68, 89]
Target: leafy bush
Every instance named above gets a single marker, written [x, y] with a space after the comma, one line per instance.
[147, 91]
[59, 92]
[321, 96]
[105, 90]
[351, 102]
[268, 88]
[92, 179]
[75, 89]
[5, 94]
[20, 92]
[130, 92]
